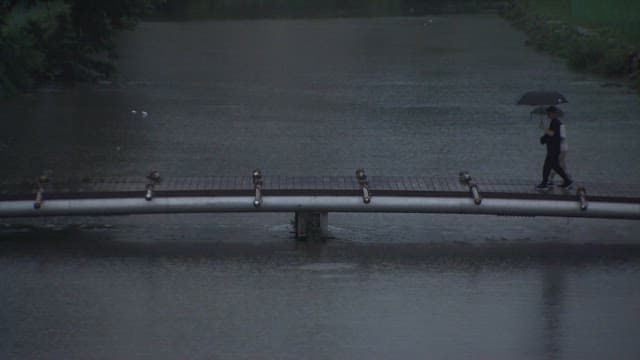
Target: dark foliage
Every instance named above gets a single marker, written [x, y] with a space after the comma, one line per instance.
[194, 9]
[61, 39]
[602, 52]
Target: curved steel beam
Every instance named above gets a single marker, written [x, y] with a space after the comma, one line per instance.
[388, 204]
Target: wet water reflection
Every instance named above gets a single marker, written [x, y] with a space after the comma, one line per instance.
[553, 298]
[91, 291]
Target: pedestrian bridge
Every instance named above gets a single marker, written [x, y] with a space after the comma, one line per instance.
[311, 198]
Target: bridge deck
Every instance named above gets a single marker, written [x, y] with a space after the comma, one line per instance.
[25, 189]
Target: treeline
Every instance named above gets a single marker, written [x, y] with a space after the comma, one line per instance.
[234, 9]
[61, 39]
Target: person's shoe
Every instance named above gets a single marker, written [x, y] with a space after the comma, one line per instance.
[567, 184]
[543, 186]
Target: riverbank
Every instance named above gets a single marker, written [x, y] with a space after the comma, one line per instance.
[602, 49]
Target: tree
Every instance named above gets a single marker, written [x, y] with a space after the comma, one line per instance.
[61, 39]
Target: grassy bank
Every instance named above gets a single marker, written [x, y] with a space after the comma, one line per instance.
[601, 47]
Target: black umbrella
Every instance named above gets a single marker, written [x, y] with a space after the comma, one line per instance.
[537, 98]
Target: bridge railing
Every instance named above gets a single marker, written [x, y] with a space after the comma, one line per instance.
[315, 195]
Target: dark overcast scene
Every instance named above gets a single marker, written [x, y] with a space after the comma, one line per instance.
[309, 179]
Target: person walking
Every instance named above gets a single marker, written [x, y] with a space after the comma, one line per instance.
[564, 148]
[552, 138]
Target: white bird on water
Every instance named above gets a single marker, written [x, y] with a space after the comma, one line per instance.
[143, 113]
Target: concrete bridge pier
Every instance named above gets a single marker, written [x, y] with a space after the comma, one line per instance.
[311, 225]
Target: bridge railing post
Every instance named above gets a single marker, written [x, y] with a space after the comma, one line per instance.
[154, 179]
[364, 185]
[465, 179]
[582, 198]
[42, 180]
[257, 186]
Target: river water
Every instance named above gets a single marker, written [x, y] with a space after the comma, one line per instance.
[427, 96]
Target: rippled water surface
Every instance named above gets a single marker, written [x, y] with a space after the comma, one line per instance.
[398, 96]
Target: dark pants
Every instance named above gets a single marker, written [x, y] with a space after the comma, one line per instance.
[552, 161]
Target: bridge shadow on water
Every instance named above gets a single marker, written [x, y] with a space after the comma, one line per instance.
[102, 241]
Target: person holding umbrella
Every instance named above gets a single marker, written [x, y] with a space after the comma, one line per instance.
[564, 148]
[553, 139]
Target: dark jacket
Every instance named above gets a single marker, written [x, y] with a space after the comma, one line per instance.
[553, 142]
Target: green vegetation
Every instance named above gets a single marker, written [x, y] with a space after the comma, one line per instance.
[44, 40]
[621, 15]
[618, 17]
[581, 31]
[558, 9]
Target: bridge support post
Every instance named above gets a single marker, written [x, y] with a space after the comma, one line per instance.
[311, 225]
